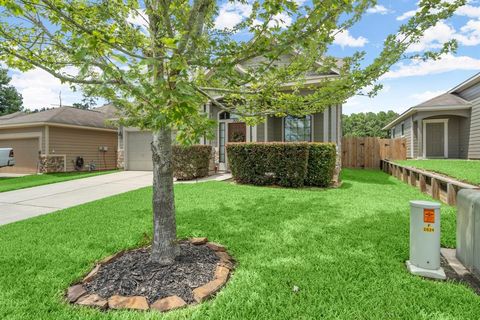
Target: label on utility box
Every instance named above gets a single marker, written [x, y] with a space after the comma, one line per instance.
[429, 215]
[428, 229]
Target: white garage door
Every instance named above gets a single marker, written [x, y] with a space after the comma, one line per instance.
[139, 153]
[26, 155]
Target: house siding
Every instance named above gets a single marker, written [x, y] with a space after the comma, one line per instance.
[261, 132]
[474, 142]
[471, 93]
[40, 130]
[84, 143]
[318, 127]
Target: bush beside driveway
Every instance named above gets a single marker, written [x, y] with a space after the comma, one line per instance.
[343, 249]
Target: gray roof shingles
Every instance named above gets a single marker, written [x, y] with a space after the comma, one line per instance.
[61, 115]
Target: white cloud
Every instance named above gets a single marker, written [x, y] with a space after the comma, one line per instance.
[468, 11]
[344, 39]
[426, 95]
[231, 14]
[40, 89]
[281, 20]
[448, 63]
[406, 15]
[434, 37]
[378, 9]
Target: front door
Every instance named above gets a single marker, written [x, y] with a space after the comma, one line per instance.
[229, 132]
[435, 140]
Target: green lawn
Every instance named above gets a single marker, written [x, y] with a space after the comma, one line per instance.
[344, 248]
[9, 184]
[463, 170]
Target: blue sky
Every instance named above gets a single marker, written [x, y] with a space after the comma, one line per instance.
[407, 84]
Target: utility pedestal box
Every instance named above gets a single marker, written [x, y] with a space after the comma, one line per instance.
[468, 229]
[425, 240]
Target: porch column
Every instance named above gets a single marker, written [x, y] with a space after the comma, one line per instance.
[420, 138]
[333, 124]
[266, 129]
[254, 133]
[325, 125]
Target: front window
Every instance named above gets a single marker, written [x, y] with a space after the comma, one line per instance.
[403, 129]
[298, 129]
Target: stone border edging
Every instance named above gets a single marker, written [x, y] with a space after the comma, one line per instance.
[76, 294]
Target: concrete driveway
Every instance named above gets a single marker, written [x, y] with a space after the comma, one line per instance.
[26, 203]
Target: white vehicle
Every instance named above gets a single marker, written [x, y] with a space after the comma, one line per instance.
[6, 157]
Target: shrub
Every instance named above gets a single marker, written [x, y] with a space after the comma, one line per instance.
[284, 164]
[191, 162]
[321, 164]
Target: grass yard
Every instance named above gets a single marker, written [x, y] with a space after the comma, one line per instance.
[344, 248]
[463, 170]
[9, 184]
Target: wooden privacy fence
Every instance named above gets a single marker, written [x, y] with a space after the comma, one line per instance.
[368, 152]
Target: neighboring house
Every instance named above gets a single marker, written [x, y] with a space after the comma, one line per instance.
[51, 140]
[447, 126]
[134, 145]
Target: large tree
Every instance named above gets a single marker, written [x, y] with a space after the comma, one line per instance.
[367, 124]
[162, 68]
[10, 100]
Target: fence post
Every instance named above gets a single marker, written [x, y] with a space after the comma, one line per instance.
[451, 194]
[413, 179]
[423, 184]
[435, 188]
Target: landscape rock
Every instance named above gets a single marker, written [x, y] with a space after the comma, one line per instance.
[111, 258]
[135, 302]
[208, 289]
[216, 247]
[168, 303]
[75, 292]
[222, 273]
[92, 274]
[93, 300]
[198, 241]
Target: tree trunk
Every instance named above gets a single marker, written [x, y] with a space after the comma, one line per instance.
[164, 248]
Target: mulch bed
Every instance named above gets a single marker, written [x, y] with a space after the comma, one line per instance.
[129, 280]
[133, 274]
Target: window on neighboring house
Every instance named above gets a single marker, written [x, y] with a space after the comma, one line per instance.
[393, 132]
[297, 129]
[403, 129]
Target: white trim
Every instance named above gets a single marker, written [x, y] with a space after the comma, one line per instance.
[411, 137]
[312, 124]
[254, 133]
[333, 124]
[23, 135]
[325, 124]
[445, 133]
[465, 84]
[266, 129]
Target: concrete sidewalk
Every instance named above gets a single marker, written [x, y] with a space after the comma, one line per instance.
[26, 203]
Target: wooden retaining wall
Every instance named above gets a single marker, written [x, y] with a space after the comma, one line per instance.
[368, 152]
[439, 187]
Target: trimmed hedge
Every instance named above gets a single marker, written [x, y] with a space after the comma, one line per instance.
[191, 162]
[284, 164]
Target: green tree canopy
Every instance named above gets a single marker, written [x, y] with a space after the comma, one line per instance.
[161, 71]
[367, 124]
[10, 100]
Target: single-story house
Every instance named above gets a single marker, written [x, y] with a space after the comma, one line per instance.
[53, 140]
[447, 126]
[134, 145]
